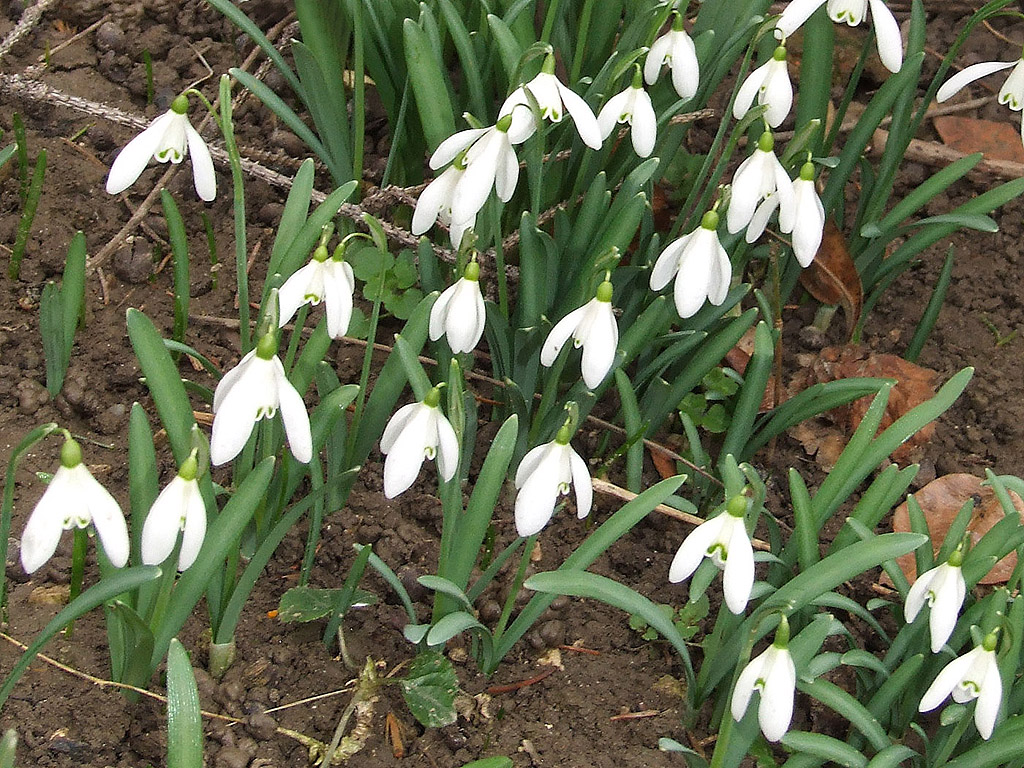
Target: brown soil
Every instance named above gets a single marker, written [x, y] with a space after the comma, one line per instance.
[567, 719]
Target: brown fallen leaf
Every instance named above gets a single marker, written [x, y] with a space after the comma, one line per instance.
[940, 501]
[832, 277]
[998, 141]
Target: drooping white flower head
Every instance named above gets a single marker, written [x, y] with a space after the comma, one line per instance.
[805, 218]
[322, 279]
[773, 674]
[416, 432]
[943, 588]
[592, 327]
[677, 50]
[725, 540]
[852, 12]
[1011, 93]
[700, 265]
[459, 312]
[73, 498]
[435, 204]
[769, 84]
[490, 161]
[975, 675]
[178, 509]
[544, 474]
[555, 101]
[167, 139]
[758, 177]
[633, 106]
[253, 390]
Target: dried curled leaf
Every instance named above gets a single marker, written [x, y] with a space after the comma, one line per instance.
[940, 501]
[832, 277]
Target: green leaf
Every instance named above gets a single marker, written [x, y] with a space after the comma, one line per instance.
[106, 589]
[430, 689]
[302, 604]
[9, 741]
[184, 720]
[490, 762]
[427, 79]
[826, 747]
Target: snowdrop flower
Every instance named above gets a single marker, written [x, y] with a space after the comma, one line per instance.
[975, 675]
[1011, 94]
[700, 265]
[253, 390]
[545, 473]
[887, 31]
[805, 217]
[773, 674]
[554, 100]
[489, 162]
[322, 279]
[418, 431]
[178, 509]
[632, 106]
[73, 499]
[592, 327]
[758, 177]
[675, 48]
[725, 540]
[943, 588]
[771, 86]
[435, 203]
[167, 139]
[459, 312]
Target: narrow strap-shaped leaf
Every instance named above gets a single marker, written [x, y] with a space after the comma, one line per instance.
[347, 594]
[892, 756]
[755, 384]
[179, 250]
[827, 747]
[254, 33]
[72, 291]
[842, 703]
[107, 588]
[184, 720]
[428, 85]
[296, 209]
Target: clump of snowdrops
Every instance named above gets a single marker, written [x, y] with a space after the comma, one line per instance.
[537, 230]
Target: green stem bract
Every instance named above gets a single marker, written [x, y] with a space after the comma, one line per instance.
[510, 598]
[238, 188]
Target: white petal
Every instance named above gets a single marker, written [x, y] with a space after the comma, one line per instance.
[107, 518]
[228, 380]
[695, 273]
[531, 461]
[968, 75]
[659, 52]
[406, 455]
[582, 116]
[795, 14]
[600, 345]
[991, 696]
[447, 448]
[195, 528]
[463, 326]
[397, 424]
[203, 175]
[295, 292]
[338, 295]
[582, 483]
[449, 149]
[560, 334]
[46, 523]
[294, 416]
[739, 570]
[694, 548]
[434, 199]
[235, 417]
[644, 124]
[685, 67]
[610, 113]
[762, 215]
[917, 596]
[778, 94]
[667, 263]
[721, 275]
[747, 188]
[163, 523]
[472, 190]
[775, 711]
[506, 174]
[745, 685]
[749, 91]
[439, 311]
[945, 608]
[535, 502]
[947, 679]
[887, 36]
[133, 159]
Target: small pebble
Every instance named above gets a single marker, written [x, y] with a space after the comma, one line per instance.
[110, 37]
[553, 633]
[261, 725]
[490, 611]
[231, 757]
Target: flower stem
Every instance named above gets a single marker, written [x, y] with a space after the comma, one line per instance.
[241, 252]
[517, 584]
